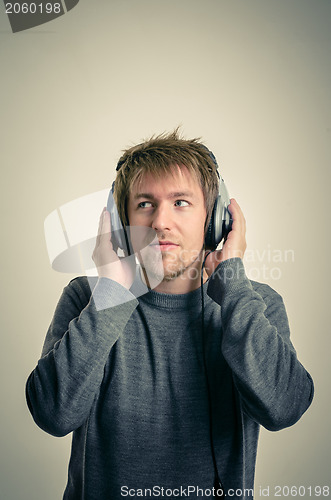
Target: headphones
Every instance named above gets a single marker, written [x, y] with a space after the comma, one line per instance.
[220, 223]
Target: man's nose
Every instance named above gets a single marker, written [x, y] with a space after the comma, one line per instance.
[162, 218]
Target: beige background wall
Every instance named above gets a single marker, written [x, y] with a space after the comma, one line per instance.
[253, 78]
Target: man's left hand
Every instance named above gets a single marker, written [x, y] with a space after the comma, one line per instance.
[235, 243]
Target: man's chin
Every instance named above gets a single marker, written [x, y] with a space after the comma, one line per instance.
[162, 273]
[162, 267]
[173, 274]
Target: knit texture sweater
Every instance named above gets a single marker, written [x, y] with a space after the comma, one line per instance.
[131, 382]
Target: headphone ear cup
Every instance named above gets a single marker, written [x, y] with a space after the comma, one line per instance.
[220, 221]
[214, 234]
[208, 235]
[118, 234]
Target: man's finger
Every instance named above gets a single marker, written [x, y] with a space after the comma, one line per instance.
[237, 215]
[104, 228]
[99, 228]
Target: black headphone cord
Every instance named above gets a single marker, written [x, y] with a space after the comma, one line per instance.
[217, 481]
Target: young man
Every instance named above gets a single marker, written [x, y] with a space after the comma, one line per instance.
[165, 394]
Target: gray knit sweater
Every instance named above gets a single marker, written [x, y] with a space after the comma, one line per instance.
[130, 382]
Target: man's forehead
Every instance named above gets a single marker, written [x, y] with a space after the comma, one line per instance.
[179, 179]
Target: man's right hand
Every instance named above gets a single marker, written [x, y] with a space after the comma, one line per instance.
[108, 264]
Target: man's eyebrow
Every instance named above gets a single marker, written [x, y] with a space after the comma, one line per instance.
[173, 194]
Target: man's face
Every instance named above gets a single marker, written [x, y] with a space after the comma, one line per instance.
[174, 208]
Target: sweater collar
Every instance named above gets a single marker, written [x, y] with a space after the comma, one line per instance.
[186, 301]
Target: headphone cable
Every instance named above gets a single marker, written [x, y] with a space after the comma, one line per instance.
[218, 485]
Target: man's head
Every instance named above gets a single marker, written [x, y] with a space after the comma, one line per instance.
[170, 185]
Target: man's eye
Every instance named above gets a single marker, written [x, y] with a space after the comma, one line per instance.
[144, 204]
[181, 203]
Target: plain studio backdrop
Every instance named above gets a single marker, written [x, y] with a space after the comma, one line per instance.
[253, 79]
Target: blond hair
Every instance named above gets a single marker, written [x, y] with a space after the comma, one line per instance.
[161, 155]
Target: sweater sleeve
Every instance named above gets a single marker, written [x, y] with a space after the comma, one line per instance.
[61, 389]
[274, 387]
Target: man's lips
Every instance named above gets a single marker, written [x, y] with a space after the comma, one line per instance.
[164, 245]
